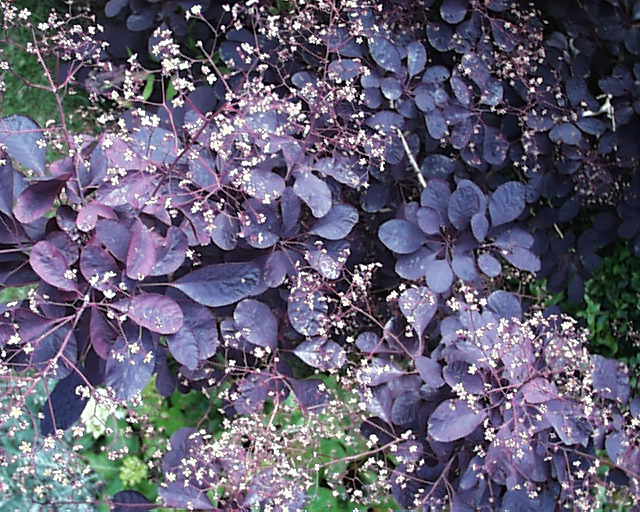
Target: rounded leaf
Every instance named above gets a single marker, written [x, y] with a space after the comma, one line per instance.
[401, 236]
[156, 312]
[256, 322]
[453, 419]
[507, 202]
[49, 263]
[439, 276]
[336, 224]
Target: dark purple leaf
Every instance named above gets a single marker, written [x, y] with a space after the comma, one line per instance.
[130, 501]
[102, 335]
[256, 322]
[507, 203]
[225, 231]
[453, 11]
[565, 132]
[494, 147]
[401, 236]
[610, 379]
[98, 267]
[156, 312]
[63, 407]
[385, 121]
[25, 142]
[336, 224]
[405, 408]
[115, 236]
[453, 419]
[197, 340]
[439, 276]
[440, 36]
[416, 57]
[436, 124]
[141, 255]
[130, 365]
[385, 53]
[314, 192]
[220, 284]
[418, 305]
[171, 252]
[307, 312]
[424, 98]
[37, 200]
[310, 393]
[438, 166]
[465, 202]
[49, 263]
[391, 88]
[346, 69]
[321, 353]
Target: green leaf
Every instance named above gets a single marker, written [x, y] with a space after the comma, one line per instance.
[148, 88]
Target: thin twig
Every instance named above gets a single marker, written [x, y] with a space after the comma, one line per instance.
[412, 160]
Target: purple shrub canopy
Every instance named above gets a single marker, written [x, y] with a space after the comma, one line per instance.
[232, 236]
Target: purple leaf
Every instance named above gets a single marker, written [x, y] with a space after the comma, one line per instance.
[156, 312]
[539, 390]
[430, 371]
[102, 335]
[88, 215]
[220, 284]
[385, 53]
[439, 276]
[489, 265]
[465, 202]
[24, 142]
[494, 146]
[310, 393]
[610, 379]
[63, 407]
[336, 224]
[49, 263]
[429, 220]
[440, 36]
[130, 365]
[37, 200]
[115, 236]
[98, 267]
[416, 57]
[321, 353]
[418, 306]
[401, 236]
[276, 268]
[170, 254]
[504, 304]
[567, 133]
[479, 226]
[225, 231]
[314, 192]
[522, 259]
[264, 185]
[197, 340]
[130, 501]
[256, 322]
[453, 419]
[453, 11]
[507, 203]
[141, 255]
[307, 312]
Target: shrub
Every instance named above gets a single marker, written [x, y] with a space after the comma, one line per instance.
[343, 199]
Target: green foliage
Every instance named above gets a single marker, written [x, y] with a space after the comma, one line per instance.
[32, 476]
